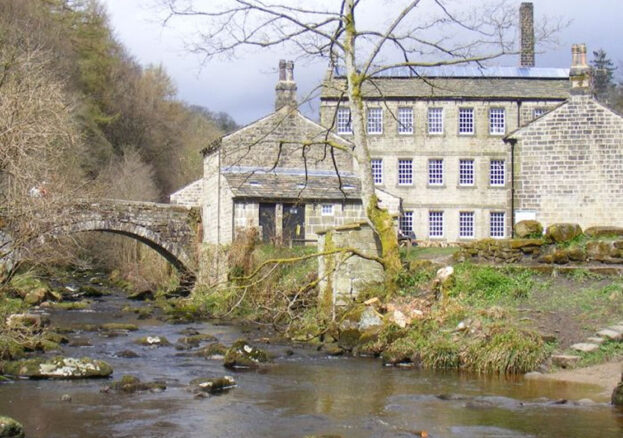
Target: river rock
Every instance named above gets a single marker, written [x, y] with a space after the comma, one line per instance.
[617, 394]
[528, 228]
[142, 295]
[19, 320]
[117, 326]
[193, 341]
[369, 318]
[213, 351]
[563, 232]
[153, 341]
[243, 355]
[91, 291]
[58, 368]
[212, 385]
[9, 428]
[128, 354]
[565, 360]
[131, 384]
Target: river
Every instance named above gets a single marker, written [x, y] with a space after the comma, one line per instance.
[303, 393]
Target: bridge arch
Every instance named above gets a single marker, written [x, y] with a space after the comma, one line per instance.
[171, 252]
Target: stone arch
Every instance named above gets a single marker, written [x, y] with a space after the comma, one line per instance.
[173, 253]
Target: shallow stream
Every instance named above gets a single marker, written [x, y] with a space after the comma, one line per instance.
[303, 393]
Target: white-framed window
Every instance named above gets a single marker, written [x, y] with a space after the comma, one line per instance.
[496, 224]
[497, 172]
[435, 172]
[405, 172]
[377, 170]
[466, 121]
[538, 112]
[435, 224]
[435, 120]
[375, 120]
[466, 224]
[466, 172]
[405, 120]
[343, 121]
[497, 121]
[327, 210]
[406, 222]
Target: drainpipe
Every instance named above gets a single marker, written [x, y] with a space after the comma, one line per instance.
[512, 142]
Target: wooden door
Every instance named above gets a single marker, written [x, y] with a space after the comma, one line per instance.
[267, 222]
[293, 224]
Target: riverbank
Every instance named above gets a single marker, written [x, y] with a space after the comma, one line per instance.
[605, 376]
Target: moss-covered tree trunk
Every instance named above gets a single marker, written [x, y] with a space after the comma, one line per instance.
[380, 219]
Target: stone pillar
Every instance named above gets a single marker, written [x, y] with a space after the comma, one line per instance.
[526, 24]
[286, 87]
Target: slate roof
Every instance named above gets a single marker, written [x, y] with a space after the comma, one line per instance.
[292, 186]
[467, 83]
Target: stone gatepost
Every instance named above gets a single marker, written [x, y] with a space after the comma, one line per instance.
[344, 275]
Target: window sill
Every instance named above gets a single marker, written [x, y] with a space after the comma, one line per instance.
[466, 186]
[493, 187]
[436, 186]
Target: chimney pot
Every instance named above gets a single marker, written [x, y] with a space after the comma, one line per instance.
[579, 74]
[282, 69]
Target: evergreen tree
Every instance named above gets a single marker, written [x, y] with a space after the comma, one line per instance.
[603, 74]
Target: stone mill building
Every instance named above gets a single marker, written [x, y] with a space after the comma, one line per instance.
[460, 153]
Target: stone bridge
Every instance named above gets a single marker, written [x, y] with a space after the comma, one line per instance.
[171, 230]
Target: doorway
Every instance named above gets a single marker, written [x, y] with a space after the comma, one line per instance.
[293, 224]
[267, 221]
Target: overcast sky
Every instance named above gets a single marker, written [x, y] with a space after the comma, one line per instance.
[244, 88]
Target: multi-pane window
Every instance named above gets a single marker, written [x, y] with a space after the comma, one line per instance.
[327, 209]
[466, 224]
[435, 171]
[405, 172]
[343, 120]
[435, 224]
[497, 121]
[496, 224]
[375, 121]
[377, 170]
[466, 120]
[466, 172]
[496, 173]
[435, 121]
[405, 120]
[406, 222]
[538, 112]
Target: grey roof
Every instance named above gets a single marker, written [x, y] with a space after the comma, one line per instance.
[287, 186]
[469, 71]
[495, 83]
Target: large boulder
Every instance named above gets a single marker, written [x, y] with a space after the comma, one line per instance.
[603, 231]
[598, 250]
[58, 368]
[617, 394]
[563, 232]
[528, 228]
[9, 428]
[243, 355]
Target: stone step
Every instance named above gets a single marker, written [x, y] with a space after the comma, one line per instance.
[585, 347]
[610, 334]
[565, 360]
[596, 340]
[616, 328]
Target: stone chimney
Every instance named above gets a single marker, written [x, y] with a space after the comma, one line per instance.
[579, 75]
[526, 24]
[286, 87]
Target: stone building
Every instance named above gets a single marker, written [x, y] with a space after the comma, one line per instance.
[279, 174]
[568, 163]
[436, 138]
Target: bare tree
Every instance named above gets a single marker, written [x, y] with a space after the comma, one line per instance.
[349, 34]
